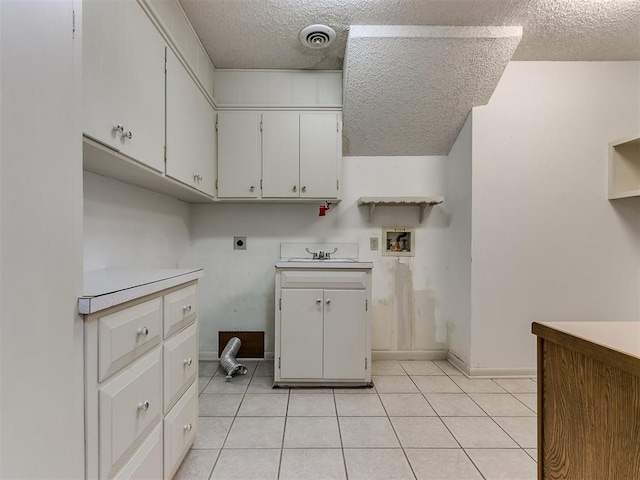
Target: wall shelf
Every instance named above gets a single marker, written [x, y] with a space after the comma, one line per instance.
[624, 168]
[422, 202]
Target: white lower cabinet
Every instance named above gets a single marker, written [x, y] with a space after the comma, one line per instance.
[323, 327]
[141, 386]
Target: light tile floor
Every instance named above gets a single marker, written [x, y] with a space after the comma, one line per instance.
[421, 420]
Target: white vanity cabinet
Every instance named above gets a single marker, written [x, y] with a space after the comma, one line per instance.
[301, 154]
[323, 324]
[141, 367]
[123, 80]
[191, 137]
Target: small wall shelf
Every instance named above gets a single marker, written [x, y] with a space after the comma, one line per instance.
[624, 168]
[422, 202]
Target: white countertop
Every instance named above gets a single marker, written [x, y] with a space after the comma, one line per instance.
[343, 264]
[109, 287]
[623, 337]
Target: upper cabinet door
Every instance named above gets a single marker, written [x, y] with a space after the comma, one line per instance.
[320, 154]
[191, 136]
[238, 154]
[280, 155]
[123, 80]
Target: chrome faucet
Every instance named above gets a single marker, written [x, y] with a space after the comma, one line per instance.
[321, 255]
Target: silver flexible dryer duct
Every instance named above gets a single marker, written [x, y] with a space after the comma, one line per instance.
[228, 358]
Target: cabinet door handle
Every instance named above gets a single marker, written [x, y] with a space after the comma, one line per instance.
[188, 427]
[318, 301]
[186, 309]
[144, 406]
[118, 129]
[295, 188]
[252, 188]
[303, 189]
[128, 135]
[143, 331]
[188, 362]
[328, 302]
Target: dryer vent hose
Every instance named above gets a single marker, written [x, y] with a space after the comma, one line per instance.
[228, 358]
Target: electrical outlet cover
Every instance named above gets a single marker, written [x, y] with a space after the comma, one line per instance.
[373, 243]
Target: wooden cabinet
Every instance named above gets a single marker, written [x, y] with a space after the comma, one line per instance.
[301, 155]
[238, 155]
[191, 137]
[588, 400]
[322, 326]
[123, 80]
[141, 386]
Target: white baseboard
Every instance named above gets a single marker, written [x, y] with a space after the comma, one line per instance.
[212, 355]
[483, 372]
[409, 355]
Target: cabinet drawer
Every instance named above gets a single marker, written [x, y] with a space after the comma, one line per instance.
[129, 408]
[180, 427]
[180, 365]
[146, 463]
[323, 279]
[126, 335]
[180, 309]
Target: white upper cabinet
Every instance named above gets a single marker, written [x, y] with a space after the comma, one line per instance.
[320, 154]
[281, 155]
[191, 136]
[238, 154]
[123, 80]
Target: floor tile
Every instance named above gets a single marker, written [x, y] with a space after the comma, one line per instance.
[421, 367]
[448, 368]
[529, 399]
[354, 391]
[212, 432]
[197, 465]
[219, 404]
[478, 432]
[264, 369]
[202, 382]
[312, 432]
[406, 405]
[533, 453]
[264, 385]
[394, 384]
[263, 405]
[312, 464]
[517, 385]
[423, 432]
[454, 405]
[224, 385]
[435, 384]
[442, 464]
[314, 405]
[256, 432]
[386, 368]
[501, 404]
[478, 385]
[377, 464]
[207, 369]
[359, 406]
[247, 464]
[510, 464]
[524, 430]
[367, 432]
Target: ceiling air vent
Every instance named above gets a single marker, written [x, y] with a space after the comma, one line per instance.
[317, 36]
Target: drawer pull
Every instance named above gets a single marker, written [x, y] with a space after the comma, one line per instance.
[329, 301]
[188, 427]
[118, 129]
[143, 331]
[144, 406]
[318, 301]
[188, 362]
[186, 308]
[128, 135]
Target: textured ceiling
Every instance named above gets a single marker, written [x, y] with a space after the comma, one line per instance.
[264, 33]
[431, 78]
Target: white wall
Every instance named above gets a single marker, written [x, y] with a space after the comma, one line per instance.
[237, 291]
[547, 244]
[458, 205]
[41, 416]
[129, 227]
